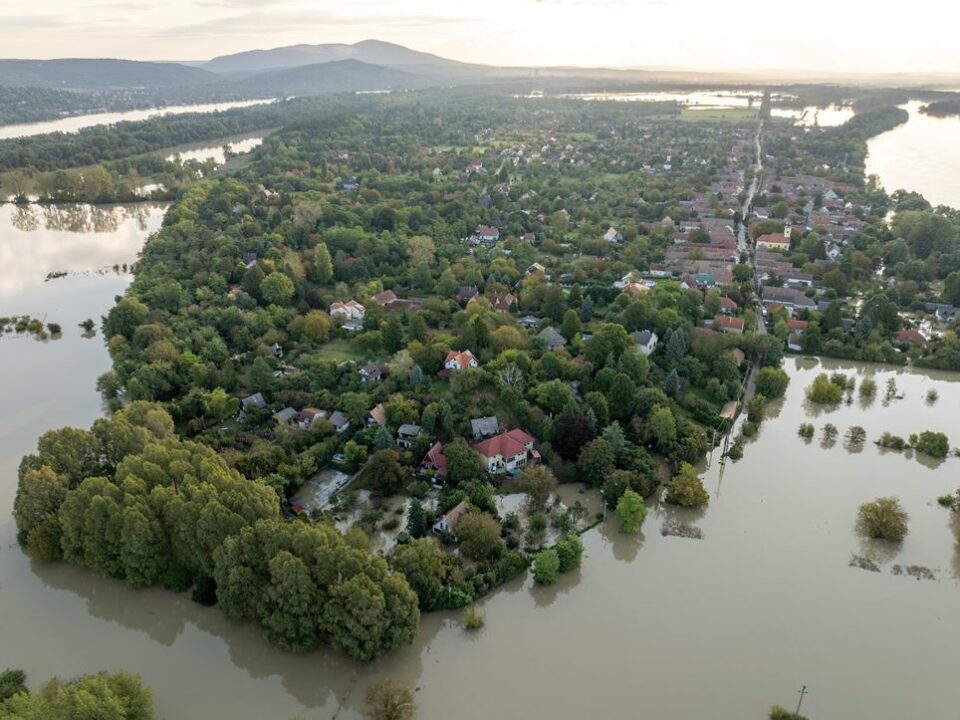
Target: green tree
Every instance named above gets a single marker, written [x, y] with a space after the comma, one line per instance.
[772, 382]
[422, 564]
[663, 427]
[884, 519]
[538, 483]
[596, 462]
[479, 536]
[546, 567]
[463, 462]
[120, 696]
[388, 700]
[12, 682]
[277, 289]
[322, 264]
[569, 552]
[686, 489]
[571, 325]
[416, 519]
[631, 511]
[385, 474]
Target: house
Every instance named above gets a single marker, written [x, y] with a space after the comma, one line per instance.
[387, 296]
[728, 306]
[529, 322]
[466, 293]
[501, 302]
[508, 452]
[612, 235]
[434, 460]
[486, 234]
[738, 355]
[795, 342]
[727, 324]
[646, 341]
[252, 401]
[340, 422]
[277, 349]
[448, 523]
[797, 326]
[460, 360]
[377, 416]
[536, 268]
[774, 241]
[552, 338]
[910, 337]
[249, 260]
[485, 427]
[353, 325]
[407, 435]
[349, 310]
[370, 373]
[285, 416]
[530, 238]
[308, 416]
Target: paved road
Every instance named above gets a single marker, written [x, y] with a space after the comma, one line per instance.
[745, 212]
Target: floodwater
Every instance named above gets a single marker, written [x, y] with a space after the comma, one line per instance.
[721, 627]
[205, 151]
[813, 116]
[700, 99]
[78, 122]
[922, 155]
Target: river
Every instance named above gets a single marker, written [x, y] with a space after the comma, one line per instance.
[720, 627]
[921, 155]
[78, 122]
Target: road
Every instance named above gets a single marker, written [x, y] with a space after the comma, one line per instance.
[745, 213]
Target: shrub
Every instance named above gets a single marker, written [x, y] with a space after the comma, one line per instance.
[631, 511]
[868, 388]
[806, 430]
[12, 681]
[892, 442]
[934, 444]
[883, 519]
[546, 567]
[570, 551]
[686, 489]
[473, 618]
[772, 382]
[389, 700]
[780, 713]
[824, 391]
[932, 394]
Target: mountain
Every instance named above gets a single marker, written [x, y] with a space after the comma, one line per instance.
[99, 74]
[373, 52]
[328, 77]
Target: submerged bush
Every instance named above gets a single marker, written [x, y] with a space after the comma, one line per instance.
[806, 430]
[473, 618]
[868, 388]
[686, 489]
[934, 444]
[824, 391]
[892, 442]
[883, 519]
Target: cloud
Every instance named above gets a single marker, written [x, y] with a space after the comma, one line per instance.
[29, 22]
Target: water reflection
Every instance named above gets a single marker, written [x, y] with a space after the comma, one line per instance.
[624, 546]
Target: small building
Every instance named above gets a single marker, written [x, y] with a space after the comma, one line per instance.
[774, 241]
[795, 342]
[728, 306]
[910, 337]
[377, 416]
[726, 324]
[370, 372]
[612, 235]
[486, 234]
[252, 401]
[460, 360]
[434, 460]
[466, 293]
[646, 341]
[508, 452]
[340, 422]
[308, 416]
[485, 427]
[387, 296]
[349, 310]
[277, 349]
[448, 523]
[407, 435]
[285, 416]
[552, 338]
[529, 322]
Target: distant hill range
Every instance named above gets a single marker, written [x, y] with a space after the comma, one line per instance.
[368, 65]
[87, 74]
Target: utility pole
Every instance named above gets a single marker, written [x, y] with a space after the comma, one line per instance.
[802, 691]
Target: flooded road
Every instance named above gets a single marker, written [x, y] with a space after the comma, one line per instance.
[721, 627]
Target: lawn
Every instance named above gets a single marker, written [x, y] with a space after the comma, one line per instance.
[341, 351]
[732, 114]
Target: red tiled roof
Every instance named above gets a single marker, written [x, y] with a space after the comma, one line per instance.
[436, 458]
[463, 357]
[507, 444]
[728, 322]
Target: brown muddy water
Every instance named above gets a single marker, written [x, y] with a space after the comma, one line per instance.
[652, 625]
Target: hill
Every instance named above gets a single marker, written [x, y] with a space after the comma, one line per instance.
[373, 52]
[97, 74]
[328, 77]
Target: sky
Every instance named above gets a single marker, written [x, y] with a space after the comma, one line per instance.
[821, 35]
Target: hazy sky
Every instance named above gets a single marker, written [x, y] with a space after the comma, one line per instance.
[843, 35]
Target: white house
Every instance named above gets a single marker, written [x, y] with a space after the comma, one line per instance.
[340, 422]
[448, 523]
[407, 434]
[349, 310]
[508, 452]
[612, 235]
[460, 360]
[646, 341]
